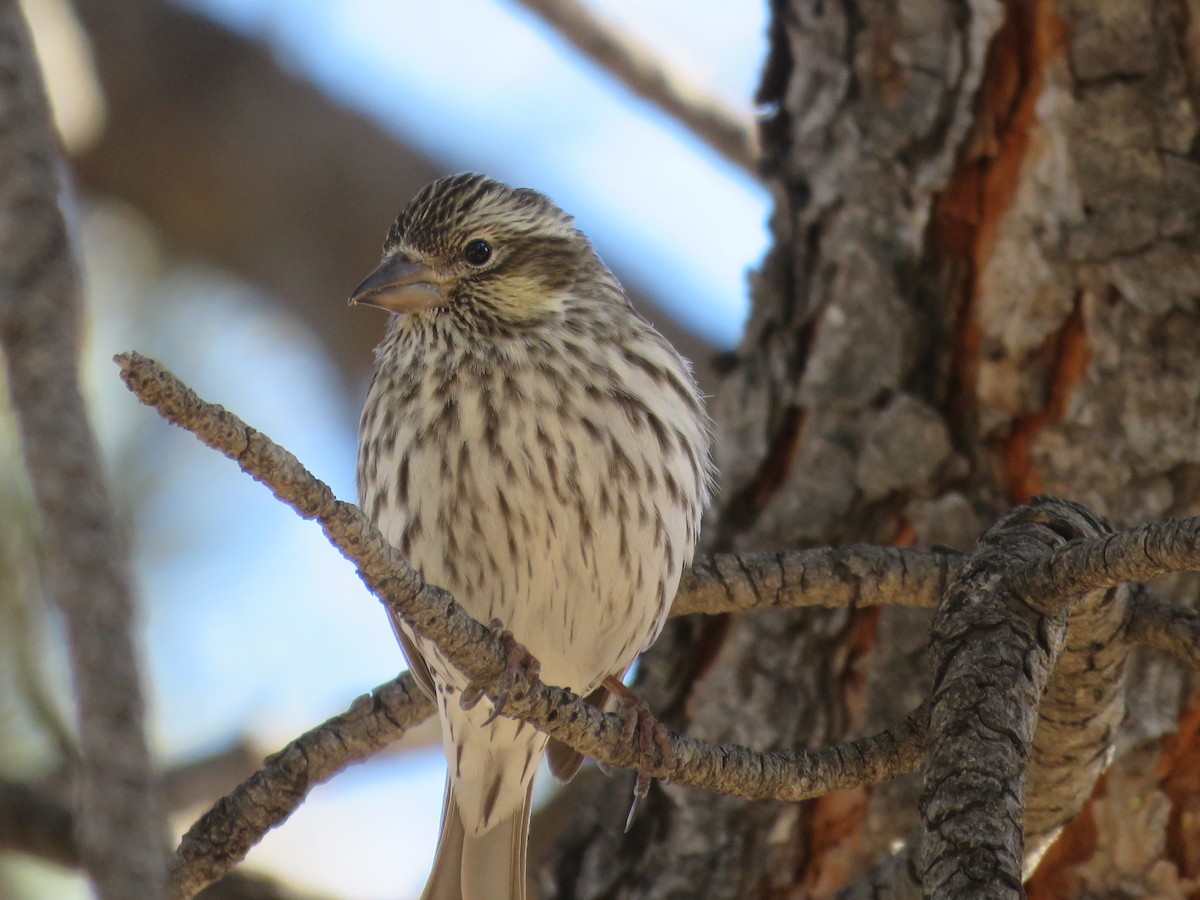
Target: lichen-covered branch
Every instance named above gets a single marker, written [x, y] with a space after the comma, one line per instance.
[729, 133]
[120, 827]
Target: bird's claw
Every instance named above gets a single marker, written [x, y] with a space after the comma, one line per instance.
[519, 660]
[651, 733]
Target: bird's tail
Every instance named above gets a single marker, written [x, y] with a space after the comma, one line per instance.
[488, 867]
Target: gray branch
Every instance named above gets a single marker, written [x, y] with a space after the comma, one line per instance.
[221, 837]
[121, 829]
[724, 129]
[1082, 707]
[993, 653]
[1138, 554]
[482, 656]
[853, 576]
[1001, 641]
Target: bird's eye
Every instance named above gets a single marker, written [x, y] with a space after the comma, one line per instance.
[477, 252]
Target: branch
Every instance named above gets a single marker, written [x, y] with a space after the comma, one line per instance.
[1070, 747]
[1165, 626]
[199, 780]
[992, 655]
[222, 836]
[727, 131]
[121, 828]
[1083, 704]
[853, 576]
[482, 657]
[32, 822]
[1138, 554]
[995, 652]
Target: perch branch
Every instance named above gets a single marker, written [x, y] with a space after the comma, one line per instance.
[1137, 554]
[840, 577]
[482, 657]
[725, 130]
[120, 824]
[854, 576]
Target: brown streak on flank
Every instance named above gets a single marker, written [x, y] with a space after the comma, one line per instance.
[981, 189]
[1070, 362]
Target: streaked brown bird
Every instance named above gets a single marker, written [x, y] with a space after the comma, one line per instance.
[533, 445]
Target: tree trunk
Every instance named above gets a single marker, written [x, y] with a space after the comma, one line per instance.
[984, 285]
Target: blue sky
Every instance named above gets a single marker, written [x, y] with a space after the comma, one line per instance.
[485, 86]
[254, 624]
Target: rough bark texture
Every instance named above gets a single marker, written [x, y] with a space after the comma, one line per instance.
[983, 286]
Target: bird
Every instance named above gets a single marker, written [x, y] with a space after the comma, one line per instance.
[532, 444]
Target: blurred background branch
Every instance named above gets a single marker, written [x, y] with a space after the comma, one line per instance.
[118, 823]
[244, 162]
[645, 73]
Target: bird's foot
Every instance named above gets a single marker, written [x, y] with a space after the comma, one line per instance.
[652, 734]
[519, 661]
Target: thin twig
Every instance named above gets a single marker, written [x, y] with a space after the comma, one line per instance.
[121, 827]
[221, 837]
[716, 123]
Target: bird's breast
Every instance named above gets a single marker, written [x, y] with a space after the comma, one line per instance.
[538, 497]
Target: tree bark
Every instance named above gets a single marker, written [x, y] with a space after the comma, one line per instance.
[983, 286]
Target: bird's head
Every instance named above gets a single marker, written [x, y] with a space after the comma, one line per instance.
[489, 252]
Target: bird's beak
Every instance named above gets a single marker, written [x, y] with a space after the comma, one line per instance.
[400, 285]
